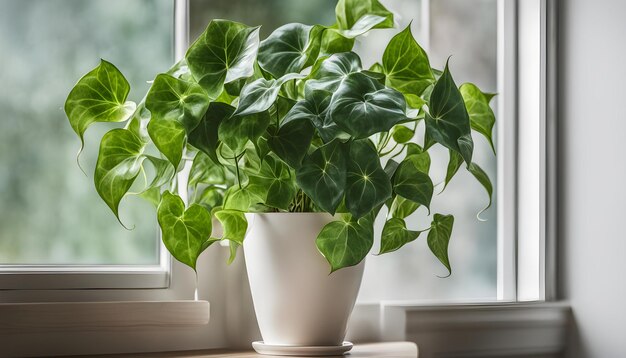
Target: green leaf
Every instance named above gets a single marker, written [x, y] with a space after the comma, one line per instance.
[234, 224]
[292, 140]
[349, 12]
[273, 183]
[185, 233]
[224, 52]
[163, 171]
[205, 171]
[211, 197]
[315, 109]
[395, 235]
[176, 106]
[402, 134]
[334, 42]
[483, 179]
[205, 136]
[238, 199]
[454, 163]
[362, 106]
[480, 113]
[439, 238]
[322, 176]
[411, 183]
[367, 184]
[401, 207]
[390, 168]
[290, 48]
[261, 94]
[407, 67]
[99, 96]
[236, 131]
[332, 71]
[119, 162]
[346, 242]
[363, 25]
[448, 121]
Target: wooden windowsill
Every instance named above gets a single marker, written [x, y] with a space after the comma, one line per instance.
[387, 350]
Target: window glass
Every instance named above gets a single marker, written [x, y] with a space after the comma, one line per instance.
[50, 212]
[467, 31]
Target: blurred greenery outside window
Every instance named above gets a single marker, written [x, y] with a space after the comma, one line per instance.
[51, 213]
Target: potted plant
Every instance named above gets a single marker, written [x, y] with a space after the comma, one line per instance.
[292, 141]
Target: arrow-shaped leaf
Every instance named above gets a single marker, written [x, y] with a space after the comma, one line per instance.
[329, 74]
[448, 121]
[293, 139]
[439, 238]
[119, 161]
[406, 66]
[395, 235]
[185, 232]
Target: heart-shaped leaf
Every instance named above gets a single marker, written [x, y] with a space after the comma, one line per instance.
[395, 235]
[211, 197]
[223, 53]
[185, 233]
[367, 184]
[236, 131]
[274, 183]
[315, 109]
[349, 12]
[119, 161]
[439, 238]
[322, 176]
[406, 66]
[176, 106]
[234, 224]
[99, 96]
[362, 106]
[481, 115]
[411, 183]
[346, 242]
[329, 74]
[293, 139]
[483, 179]
[205, 136]
[448, 121]
[290, 48]
[238, 199]
[261, 94]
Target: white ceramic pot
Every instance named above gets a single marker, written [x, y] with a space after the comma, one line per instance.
[297, 302]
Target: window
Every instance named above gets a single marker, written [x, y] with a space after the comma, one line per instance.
[473, 247]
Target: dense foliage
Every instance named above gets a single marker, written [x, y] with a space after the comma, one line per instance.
[290, 123]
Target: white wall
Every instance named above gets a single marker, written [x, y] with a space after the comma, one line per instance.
[592, 90]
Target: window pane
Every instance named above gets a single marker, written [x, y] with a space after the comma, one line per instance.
[50, 211]
[467, 30]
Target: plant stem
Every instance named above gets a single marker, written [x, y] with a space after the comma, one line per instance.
[237, 169]
[389, 151]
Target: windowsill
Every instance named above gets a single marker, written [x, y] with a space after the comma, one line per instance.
[460, 330]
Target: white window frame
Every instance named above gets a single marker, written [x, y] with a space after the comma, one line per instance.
[234, 325]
